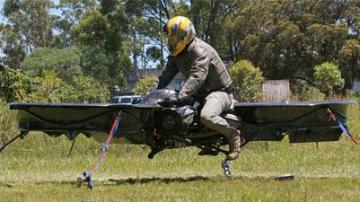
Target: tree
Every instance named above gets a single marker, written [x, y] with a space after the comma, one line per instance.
[349, 62]
[92, 30]
[328, 78]
[71, 13]
[214, 21]
[146, 19]
[103, 36]
[144, 85]
[287, 38]
[65, 62]
[29, 25]
[247, 81]
[325, 41]
[352, 18]
[31, 20]
[11, 46]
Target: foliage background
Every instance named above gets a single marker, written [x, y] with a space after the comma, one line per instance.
[144, 85]
[247, 81]
[82, 51]
[107, 40]
[328, 78]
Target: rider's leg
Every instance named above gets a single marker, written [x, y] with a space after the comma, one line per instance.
[215, 104]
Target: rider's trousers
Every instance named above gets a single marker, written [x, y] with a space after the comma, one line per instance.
[215, 104]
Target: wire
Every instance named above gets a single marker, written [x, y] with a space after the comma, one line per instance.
[104, 150]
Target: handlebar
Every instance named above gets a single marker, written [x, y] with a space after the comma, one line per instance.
[175, 102]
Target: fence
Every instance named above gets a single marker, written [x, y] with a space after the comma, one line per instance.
[276, 91]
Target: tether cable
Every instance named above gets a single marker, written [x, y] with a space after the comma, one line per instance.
[342, 126]
[103, 152]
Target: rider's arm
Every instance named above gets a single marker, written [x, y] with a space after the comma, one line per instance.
[198, 71]
[168, 74]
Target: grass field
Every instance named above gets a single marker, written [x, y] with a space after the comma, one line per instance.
[38, 169]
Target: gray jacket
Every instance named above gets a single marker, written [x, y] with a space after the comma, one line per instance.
[202, 68]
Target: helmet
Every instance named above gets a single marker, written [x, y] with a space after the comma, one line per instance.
[180, 32]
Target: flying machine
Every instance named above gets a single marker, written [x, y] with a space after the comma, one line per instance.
[161, 122]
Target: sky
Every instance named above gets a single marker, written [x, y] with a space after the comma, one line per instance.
[1, 9]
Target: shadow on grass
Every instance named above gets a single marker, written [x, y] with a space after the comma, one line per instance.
[6, 185]
[168, 180]
[130, 181]
[165, 180]
[150, 180]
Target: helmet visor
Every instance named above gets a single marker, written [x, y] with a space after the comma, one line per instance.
[172, 41]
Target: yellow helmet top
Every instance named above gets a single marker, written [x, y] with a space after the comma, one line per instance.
[180, 32]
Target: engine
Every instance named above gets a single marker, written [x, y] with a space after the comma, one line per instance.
[175, 121]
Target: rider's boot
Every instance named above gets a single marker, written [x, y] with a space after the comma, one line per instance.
[234, 145]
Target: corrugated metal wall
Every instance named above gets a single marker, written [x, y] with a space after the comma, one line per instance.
[276, 91]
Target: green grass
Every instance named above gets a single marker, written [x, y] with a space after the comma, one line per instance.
[206, 189]
[38, 169]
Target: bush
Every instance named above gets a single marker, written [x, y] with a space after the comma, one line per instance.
[65, 62]
[7, 123]
[51, 88]
[303, 91]
[14, 86]
[247, 81]
[328, 78]
[144, 85]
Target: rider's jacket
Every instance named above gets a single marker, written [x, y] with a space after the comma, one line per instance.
[202, 68]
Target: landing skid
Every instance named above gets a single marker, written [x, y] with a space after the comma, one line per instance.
[21, 135]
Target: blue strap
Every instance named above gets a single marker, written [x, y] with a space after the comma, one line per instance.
[104, 148]
[343, 127]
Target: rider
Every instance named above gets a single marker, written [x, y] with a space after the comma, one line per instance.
[206, 77]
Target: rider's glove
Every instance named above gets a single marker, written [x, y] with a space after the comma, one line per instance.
[186, 100]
